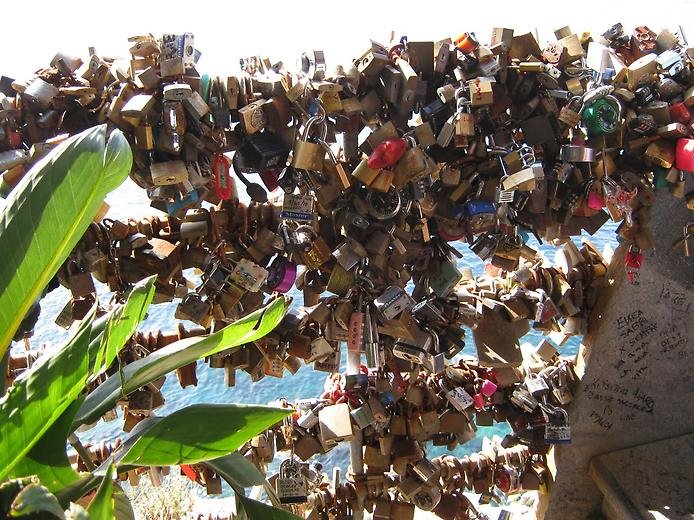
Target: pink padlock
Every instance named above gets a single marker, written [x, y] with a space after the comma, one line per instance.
[595, 201]
[684, 155]
[478, 399]
[487, 387]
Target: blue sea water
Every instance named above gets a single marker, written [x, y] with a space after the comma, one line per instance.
[129, 200]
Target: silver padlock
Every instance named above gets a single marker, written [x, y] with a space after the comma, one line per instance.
[415, 351]
[459, 398]
[560, 386]
[524, 399]
[350, 253]
[558, 431]
[309, 419]
[290, 484]
[393, 301]
[536, 385]
[362, 416]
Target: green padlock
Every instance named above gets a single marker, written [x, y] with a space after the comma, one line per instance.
[602, 116]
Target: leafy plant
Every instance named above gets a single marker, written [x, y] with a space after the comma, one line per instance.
[48, 212]
[196, 433]
[44, 218]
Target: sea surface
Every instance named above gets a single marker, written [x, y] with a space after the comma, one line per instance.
[130, 200]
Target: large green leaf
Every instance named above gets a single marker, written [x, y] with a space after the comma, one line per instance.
[122, 323]
[258, 511]
[150, 368]
[101, 506]
[37, 399]
[47, 459]
[48, 212]
[201, 432]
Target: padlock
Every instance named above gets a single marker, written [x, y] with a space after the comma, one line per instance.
[560, 387]
[558, 430]
[536, 385]
[331, 362]
[508, 479]
[570, 114]
[291, 485]
[459, 399]
[170, 172]
[80, 282]
[249, 275]
[392, 302]
[335, 423]
[362, 416]
[684, 155]
[252, 117]
[523, 399]
[427, 498]
[193, 308]
[350, 253]
[307, 155]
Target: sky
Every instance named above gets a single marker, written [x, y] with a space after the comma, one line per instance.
[281, 30]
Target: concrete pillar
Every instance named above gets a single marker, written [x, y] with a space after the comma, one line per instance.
[638, 385]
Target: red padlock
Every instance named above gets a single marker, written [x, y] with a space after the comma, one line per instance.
[679, 113]
[387, 153]
[633, 260]
[684, 155]
[15, 139]
[270, 178]
[507, 479]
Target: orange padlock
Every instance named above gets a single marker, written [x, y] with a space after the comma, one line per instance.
[466, 43]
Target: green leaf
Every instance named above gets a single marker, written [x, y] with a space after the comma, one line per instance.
[237, 469]
[48, 459]
[122, 323]
[101, 506]
[150, 368]
[201, 432]
[35, 402]
[87, 483]
[240, 473]
[41, 395]
[48, 212]
[258, 511]
[122, 508]
[35, 498]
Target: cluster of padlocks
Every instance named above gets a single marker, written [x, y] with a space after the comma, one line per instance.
[370, 175]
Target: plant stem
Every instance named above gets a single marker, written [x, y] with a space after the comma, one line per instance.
[81, 451]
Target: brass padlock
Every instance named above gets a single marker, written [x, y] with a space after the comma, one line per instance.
[252, 117]
[193, 308]
[169, 172]
[307, 155]
[80, 282]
